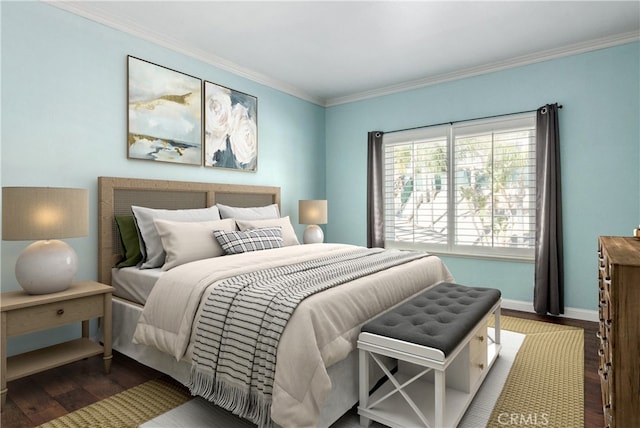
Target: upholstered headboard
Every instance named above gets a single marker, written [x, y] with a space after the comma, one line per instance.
[116, 195]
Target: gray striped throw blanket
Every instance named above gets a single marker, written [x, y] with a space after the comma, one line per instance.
[237, 334]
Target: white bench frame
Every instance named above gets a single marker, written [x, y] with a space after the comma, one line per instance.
[426, 360]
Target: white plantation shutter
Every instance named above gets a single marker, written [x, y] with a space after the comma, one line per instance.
[416, 178]
[466, 188]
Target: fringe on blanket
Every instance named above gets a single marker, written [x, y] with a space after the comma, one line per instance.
[240, 401]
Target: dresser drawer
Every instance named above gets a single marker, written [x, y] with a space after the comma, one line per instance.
[605, 385]
[606, 285]
[608, 419]
[604, 313]
[55, 314]
[604, 355]
[602, 270]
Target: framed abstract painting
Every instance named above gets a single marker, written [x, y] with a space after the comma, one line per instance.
[230, 128]
[164, 121]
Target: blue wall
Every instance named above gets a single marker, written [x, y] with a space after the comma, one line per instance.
[600, 138]
[64, 122]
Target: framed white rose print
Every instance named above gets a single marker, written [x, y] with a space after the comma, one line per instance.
[164, 119]
[230, 128]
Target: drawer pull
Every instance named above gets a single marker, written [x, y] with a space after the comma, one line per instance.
[481, 338]
[481, 365]
[603, 374]
[60, 311]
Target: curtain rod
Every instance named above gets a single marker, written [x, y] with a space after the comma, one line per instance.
[466, 120]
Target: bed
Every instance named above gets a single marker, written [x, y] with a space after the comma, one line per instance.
[146, 300]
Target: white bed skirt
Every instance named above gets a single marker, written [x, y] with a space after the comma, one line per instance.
[343, 375]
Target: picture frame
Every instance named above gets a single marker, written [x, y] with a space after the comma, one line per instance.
[230, 128]
[164, 114]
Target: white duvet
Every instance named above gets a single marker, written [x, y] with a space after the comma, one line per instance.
[322, 331]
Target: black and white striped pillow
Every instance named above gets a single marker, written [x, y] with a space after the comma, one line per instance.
[236, 242]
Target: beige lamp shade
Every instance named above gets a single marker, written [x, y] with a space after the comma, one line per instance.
[312, 211]
[30, 213]
[45, 214]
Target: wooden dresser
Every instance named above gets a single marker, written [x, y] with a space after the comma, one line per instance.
[619, 332]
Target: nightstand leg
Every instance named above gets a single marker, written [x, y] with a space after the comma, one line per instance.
[3, 355]
[106, 333]
[85, 329]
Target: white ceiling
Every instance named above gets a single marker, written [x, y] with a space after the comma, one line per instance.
[334, 52]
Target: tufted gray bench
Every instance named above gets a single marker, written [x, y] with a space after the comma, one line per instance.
[439, 339]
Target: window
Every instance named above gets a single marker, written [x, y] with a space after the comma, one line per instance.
[466, 188]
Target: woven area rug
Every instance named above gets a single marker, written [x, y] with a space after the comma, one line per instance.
[546, 384]
[126, 409]
[543, 388]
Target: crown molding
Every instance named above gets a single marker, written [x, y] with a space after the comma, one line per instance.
[537, 57]
[129, 27]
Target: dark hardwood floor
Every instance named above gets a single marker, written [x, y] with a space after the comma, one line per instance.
[39, 398]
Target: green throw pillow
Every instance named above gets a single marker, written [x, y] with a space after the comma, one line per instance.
[131, 254]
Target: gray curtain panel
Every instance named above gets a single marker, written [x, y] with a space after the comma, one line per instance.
[548, 293]
[375, 210]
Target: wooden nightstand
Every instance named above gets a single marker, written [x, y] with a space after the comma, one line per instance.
[23, 313]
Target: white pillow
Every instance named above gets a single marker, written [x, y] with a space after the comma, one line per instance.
[184, 242]
[288, 234]
[249, 213]
[150, 244]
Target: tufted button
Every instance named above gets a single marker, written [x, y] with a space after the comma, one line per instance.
[432, 310]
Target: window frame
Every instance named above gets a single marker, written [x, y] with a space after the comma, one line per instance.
[450, 131]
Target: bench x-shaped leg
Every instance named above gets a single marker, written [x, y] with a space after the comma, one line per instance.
[400, 388]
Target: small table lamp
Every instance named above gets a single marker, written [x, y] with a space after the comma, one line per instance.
[46, 214]
[312, 213]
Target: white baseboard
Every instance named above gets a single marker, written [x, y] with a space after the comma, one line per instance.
[575, 313]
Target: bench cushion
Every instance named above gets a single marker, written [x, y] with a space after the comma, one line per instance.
[439, 318]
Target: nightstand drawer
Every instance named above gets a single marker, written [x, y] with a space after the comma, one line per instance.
[29, 319]
[24, 313]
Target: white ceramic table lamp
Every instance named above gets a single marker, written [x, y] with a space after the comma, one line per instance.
[45, 214]
[312, 213]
